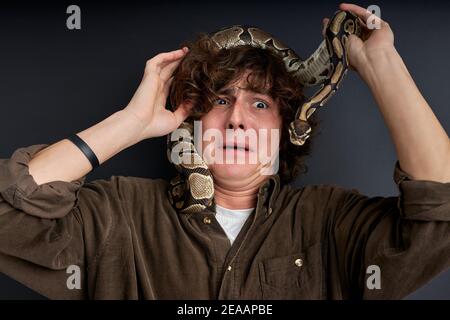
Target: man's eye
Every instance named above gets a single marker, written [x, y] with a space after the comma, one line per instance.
[261, 105]
[221, 101]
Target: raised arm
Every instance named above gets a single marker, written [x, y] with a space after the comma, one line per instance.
[422, 145]
[50, 219]
[144, 117]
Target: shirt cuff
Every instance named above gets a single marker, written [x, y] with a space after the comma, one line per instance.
[422, 199]
[17, 187]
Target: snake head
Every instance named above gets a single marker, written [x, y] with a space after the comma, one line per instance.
[345, 22]
[299, 131]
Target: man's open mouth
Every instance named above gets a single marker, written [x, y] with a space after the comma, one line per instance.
[236, 147]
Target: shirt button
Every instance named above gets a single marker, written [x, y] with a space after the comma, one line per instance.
[207, 220]
[229, 268]
[298, 262]
[270, 211]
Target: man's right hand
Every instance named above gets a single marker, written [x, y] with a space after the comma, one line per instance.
[149, 101]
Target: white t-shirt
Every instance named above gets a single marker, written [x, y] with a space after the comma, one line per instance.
[232, 221]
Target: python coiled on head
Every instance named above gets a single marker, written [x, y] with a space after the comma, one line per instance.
[193, 189]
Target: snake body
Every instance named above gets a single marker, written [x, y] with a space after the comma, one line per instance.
[193, 189]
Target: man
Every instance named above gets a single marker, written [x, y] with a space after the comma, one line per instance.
[128, 240]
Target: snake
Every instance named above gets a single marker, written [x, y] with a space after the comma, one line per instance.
[192, 190]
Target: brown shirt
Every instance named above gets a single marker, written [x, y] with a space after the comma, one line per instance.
[314, 242]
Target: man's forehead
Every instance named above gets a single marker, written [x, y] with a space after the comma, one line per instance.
[234, 89]
[245, 81]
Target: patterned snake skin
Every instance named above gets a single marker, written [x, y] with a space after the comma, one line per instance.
[193, 189]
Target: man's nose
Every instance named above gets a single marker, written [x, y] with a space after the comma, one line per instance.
[236, 119]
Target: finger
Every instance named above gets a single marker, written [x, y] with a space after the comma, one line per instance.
[163, 58]
[168, 69]
[167, 86]
[361, 12]
[182, 112]
[162, 98]
[356, 43]
[178, 56]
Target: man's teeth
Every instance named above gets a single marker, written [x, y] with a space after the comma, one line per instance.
[235, 148]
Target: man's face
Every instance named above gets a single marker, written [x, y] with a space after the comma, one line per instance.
[250, 126]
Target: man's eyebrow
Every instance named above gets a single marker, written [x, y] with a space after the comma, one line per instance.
[232, 91]
[264, 93]
[227, 91]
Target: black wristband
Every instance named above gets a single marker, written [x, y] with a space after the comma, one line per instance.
[85, 149]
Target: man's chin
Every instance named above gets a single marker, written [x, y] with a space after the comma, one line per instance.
[237, 171]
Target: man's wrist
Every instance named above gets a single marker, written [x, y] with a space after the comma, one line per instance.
[134, 124]
[136, 121]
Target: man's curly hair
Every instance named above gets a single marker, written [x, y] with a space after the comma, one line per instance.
[206, 69]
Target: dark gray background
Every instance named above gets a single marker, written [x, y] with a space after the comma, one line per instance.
[54, 82]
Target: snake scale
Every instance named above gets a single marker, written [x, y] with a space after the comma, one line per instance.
[193, 189]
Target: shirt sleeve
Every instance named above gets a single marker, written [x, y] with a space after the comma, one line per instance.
[43, 232]
[406, 238]
[18, 188]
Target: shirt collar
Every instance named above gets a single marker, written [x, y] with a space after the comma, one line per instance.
[266, 197]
